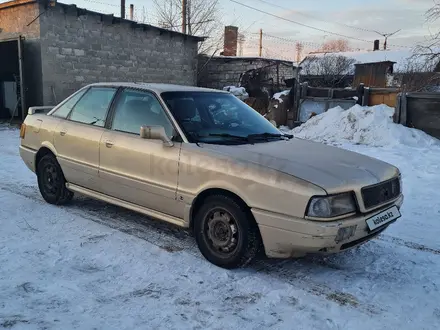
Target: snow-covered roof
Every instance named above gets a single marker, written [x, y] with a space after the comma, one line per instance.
[403, 58]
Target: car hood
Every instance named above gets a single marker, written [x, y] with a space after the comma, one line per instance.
[330, 168]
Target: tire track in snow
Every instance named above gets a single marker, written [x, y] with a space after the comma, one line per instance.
[175, 239]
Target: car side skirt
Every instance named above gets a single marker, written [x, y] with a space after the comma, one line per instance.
[115, 201]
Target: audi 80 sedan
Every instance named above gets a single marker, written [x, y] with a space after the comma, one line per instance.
[202, 159]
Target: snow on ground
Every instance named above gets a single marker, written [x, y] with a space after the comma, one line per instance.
[371, 126]
[93, 265]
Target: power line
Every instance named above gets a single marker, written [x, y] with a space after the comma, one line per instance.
[104, 3]
[298, 23]
[291, 41]
[319, 19]
[309, 26]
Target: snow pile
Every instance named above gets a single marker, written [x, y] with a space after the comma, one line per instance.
[277, 96]
[239, 92]
[372, 126]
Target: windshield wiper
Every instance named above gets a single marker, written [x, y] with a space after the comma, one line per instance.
[226, 135]
[269, 135]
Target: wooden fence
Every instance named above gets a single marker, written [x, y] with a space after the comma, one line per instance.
[420, 110]
[304, 100]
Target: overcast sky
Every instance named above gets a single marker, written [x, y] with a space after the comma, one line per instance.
[331, 15]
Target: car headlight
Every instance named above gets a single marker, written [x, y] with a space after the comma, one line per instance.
[331, 206]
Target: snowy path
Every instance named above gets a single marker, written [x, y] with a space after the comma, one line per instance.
[92, 265]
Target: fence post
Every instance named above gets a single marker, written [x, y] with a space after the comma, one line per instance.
[403, 108]
[366, 96]
[360, 94]
[297, 102]
[398, 109]
[304, 87]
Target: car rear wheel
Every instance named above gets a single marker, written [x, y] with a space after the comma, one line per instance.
[51, 181]
[225, 232]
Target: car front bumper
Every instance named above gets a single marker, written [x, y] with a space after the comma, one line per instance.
[285, 237]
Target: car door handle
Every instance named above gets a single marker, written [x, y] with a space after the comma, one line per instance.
[62, 133]
[108, 144]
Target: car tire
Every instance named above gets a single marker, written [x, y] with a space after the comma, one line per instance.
[51, 181]
[226, 232]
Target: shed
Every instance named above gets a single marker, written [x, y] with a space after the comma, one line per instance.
[48, 50]
[378, 74]
[220, 71]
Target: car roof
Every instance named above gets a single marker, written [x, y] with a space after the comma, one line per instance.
[158, 88]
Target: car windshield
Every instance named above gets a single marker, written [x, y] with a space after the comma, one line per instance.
[219, 118]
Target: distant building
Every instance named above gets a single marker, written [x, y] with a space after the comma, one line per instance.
[380, 68]
[253, 72]
[49, 50]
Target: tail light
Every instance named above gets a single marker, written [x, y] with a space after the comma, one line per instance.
[22, 131]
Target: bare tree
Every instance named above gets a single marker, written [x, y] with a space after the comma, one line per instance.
[336, 45]
[431, 51]
[328, 70]
[417, 74]
[202, 19]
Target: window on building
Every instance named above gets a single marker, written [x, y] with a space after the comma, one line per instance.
[93, 106]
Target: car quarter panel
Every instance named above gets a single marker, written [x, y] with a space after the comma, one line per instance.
[39, 133]
[260, 187]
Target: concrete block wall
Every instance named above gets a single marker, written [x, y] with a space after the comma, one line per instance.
[79, 48]
[224, 71]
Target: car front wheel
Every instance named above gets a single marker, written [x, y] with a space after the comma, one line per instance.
[225, 232]
[51, 181]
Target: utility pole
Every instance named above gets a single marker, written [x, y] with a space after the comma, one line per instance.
[241, 40]
[122, 8]
[184, 11]
[299, 48]
[260, 53]
[188, 5]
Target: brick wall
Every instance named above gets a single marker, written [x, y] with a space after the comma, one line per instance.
[230, 41]
[15, 21]
[80, 47]
[224, 71]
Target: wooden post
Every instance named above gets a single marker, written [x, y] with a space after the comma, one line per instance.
[188, 6]
[398, 108]
[403, 109]
[360, 94]
[184, 11]
[304, 88]
[260, 53]
[122, 8]
[366, 97]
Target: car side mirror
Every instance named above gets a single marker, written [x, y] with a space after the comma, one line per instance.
[156, 133]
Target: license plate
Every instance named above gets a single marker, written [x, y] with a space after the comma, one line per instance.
[383, 218]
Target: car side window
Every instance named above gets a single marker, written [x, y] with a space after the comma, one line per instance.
[136, 108]
[93, 106]
[64, 110]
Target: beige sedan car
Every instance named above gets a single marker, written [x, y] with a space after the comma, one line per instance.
[203, 159]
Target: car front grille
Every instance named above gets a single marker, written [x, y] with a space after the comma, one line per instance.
[380, 193]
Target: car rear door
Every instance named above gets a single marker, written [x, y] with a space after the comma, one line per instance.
[77, 138]
[137, 170]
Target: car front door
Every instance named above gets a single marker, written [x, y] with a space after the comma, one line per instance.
[77, 137]
[137, 170]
